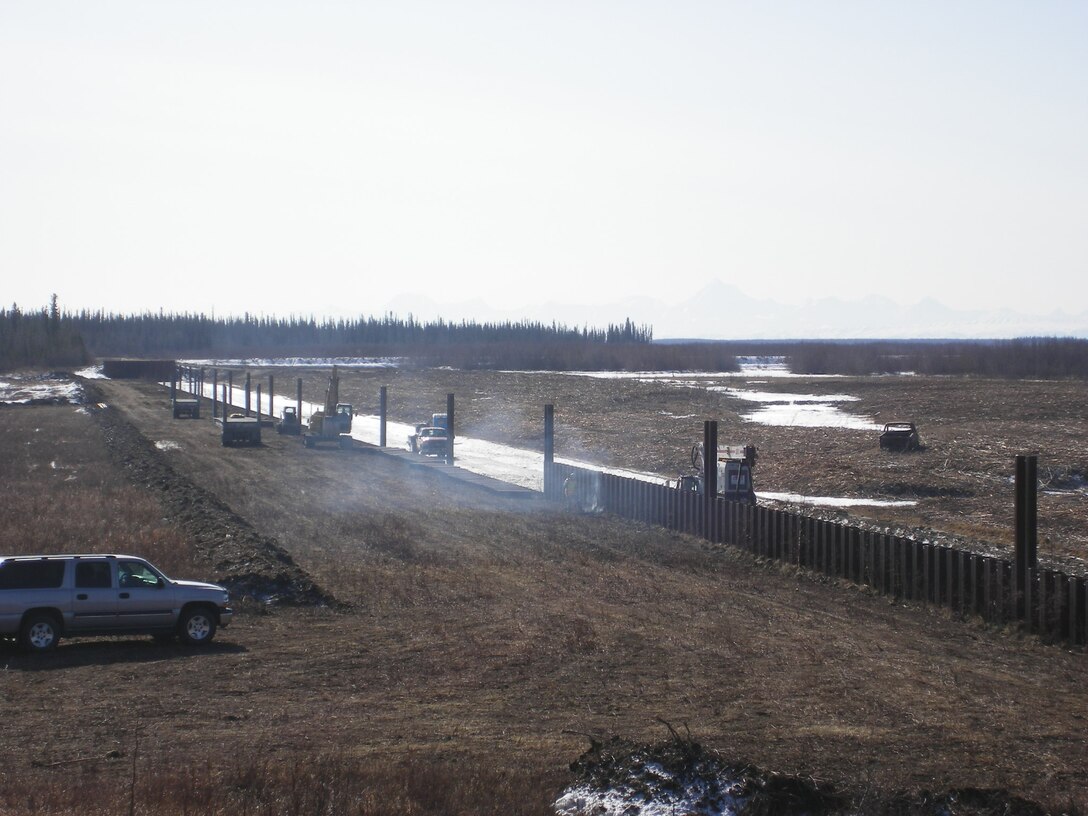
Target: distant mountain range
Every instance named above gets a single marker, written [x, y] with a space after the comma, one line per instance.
[724, 312]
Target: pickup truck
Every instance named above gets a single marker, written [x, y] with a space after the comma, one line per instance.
[46, 597]
[429, 440]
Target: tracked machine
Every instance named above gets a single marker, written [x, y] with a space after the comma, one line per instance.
[333, 422]
[734, 465]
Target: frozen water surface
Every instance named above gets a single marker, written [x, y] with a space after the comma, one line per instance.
[783, 410]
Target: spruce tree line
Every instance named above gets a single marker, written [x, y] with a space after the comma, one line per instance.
[39, 338]
[50, 337]
[54, 338]
[171, 334]
[1021, 358]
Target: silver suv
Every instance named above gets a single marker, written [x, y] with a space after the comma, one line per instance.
[44, 597]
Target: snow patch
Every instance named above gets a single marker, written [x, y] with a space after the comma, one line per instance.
[299, 362]
[833, 501]
[40, 389]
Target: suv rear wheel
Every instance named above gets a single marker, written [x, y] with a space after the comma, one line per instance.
[197, 625]
[40, 632]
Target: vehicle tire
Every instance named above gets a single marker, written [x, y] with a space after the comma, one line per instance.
[197, 626]
[39, 632]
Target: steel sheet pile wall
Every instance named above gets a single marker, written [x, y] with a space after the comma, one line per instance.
[154, 370]
[1054, 604]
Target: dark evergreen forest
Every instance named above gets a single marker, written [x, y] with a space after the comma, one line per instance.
[42, 338]
[53, 338]
[1022, 358]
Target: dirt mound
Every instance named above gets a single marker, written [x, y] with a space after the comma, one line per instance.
[681, 776]
[253, 566]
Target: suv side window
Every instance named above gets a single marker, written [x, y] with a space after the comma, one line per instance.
[136, 574]
[31, 574]
[93, 575]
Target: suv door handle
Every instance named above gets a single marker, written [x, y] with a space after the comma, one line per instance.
[81, 596]
[124, 595]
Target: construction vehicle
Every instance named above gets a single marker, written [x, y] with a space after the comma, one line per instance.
[186, 407]
[289, 423]
[900, 436]
[237, 428]
[333, 422]
[734, 473]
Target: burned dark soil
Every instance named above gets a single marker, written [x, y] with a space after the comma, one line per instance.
[389, 616]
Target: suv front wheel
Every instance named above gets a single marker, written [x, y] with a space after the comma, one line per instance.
[197, 625]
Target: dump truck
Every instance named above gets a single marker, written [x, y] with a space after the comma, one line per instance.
[239, 429]
[333, 422]
[186, 407]
[734, 473]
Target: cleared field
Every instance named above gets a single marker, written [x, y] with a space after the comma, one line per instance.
[478, 641]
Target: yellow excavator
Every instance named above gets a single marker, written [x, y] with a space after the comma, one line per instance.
[333, 422]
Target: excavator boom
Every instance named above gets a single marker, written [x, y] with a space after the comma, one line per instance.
[332, 394]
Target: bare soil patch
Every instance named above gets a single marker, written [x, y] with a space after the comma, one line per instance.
[466, 632]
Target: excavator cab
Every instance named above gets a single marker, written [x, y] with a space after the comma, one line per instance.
[344, 414]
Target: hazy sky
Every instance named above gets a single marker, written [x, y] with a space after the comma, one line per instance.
[323, 157]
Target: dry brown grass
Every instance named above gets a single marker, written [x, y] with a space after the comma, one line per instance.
[481, 633]
[61, 495]
[132, 783]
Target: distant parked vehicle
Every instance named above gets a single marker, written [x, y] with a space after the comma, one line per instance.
[900, 436]
[430, 441]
